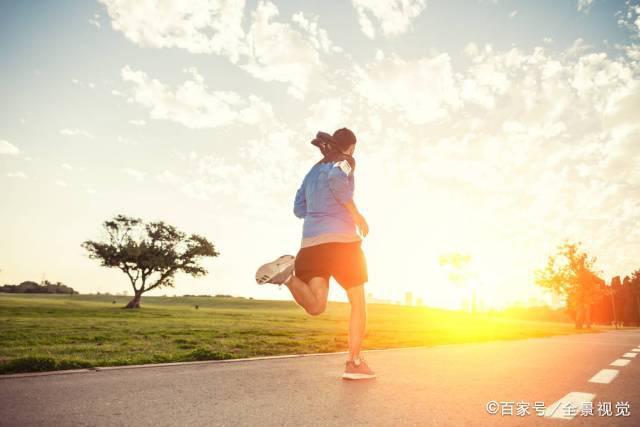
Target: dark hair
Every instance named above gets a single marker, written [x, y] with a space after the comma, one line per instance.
[333, 146]
[344, 138]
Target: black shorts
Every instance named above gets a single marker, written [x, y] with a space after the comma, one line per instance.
[345, 262]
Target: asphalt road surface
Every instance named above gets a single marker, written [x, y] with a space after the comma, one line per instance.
[449, 385]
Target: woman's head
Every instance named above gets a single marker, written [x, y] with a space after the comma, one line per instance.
[345, 140]
[339, 146]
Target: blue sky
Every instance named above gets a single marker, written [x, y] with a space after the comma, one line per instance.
[494, 128]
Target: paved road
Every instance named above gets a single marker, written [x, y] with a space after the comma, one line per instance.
[441, 386]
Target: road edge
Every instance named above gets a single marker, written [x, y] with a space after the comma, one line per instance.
[245, 359]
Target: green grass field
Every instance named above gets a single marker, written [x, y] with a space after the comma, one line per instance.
[50, 332]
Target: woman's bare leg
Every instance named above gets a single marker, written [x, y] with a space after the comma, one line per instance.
[312, 296]
[358, 320]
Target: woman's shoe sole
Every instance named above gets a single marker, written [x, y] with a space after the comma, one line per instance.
[346, 376]
[265, 273]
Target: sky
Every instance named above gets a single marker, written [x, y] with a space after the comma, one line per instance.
[492, 128]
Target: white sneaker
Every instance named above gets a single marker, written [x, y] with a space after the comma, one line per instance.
[277, 271]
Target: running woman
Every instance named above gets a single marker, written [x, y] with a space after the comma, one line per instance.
[331, 245]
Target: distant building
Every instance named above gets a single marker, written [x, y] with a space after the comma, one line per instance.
[419, 302]
[408, 298]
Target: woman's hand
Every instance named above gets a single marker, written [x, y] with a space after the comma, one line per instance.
[362, 225]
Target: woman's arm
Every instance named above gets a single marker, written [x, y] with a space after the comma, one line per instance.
[343, 193]
[300, 203]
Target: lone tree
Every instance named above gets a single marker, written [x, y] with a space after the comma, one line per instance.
[150, 254]
[571, 272]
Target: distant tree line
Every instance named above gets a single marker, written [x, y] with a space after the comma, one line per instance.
[31, 287]
[571, 273]
[620, 302]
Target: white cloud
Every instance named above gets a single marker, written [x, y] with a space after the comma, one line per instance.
[75, 132]
[327, 115]
[584, 5]
[207, 177]
[199, 26]
[18, 174]
[67, 166]
[94, 22]
[269, 51]
[598, 78]
[280, 53]
[422, 90]
[630, 18]
[167, 177]
[318, 36]
[126, 141]
[192, 104]
[90, 85]
[513, 14]
[578, 47]
[7, 148]
[138, 122]
[393, 16]
[134, 173]
[252, 182]
[484, 79]
[61, 183]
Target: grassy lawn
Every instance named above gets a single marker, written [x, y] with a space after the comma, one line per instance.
[49, 332]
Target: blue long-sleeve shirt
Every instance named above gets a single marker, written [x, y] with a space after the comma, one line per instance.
[320, 201]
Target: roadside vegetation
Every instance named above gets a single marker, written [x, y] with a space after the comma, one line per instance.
[50, 332]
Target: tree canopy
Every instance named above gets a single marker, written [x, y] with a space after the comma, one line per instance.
[571, 273]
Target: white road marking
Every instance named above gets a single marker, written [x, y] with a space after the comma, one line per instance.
[575, 400]
[630, 355]
[605, 376]
[636, 349]
[620, 362]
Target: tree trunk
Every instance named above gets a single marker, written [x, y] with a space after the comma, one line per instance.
[579, 316]
[135, 302]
